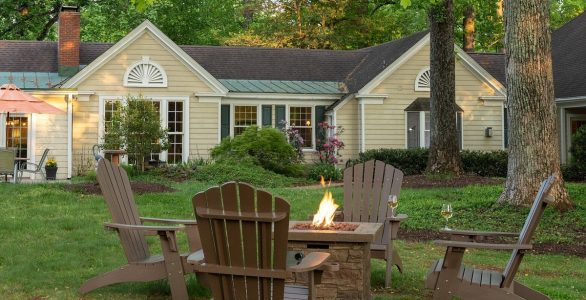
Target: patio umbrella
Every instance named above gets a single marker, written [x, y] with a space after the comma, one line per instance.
[13, 100]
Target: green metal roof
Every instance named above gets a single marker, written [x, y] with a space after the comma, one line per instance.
[32, 80]
[283, 86]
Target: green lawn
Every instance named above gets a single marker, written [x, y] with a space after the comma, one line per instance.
[52, 240]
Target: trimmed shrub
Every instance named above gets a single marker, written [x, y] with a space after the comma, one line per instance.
[265, 147]
[226, 170]
[414, 161]
[576, 169]
[410, 161]
[485, 163]
[573, 172]
[329, 172]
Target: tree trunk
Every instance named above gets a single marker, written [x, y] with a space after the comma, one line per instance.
[444, 152]
[533, 144]
[468, 42]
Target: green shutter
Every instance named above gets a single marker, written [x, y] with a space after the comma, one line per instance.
[225, 121]
[280, 116]
[320, 116]
[267, 116]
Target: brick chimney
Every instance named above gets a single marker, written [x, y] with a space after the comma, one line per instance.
[68, 49]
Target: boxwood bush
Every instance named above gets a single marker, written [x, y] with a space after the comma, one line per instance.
[265, 147]
[329, 172]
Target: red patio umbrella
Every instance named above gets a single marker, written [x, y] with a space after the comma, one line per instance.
[13, 100]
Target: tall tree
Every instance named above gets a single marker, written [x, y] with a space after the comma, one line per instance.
[533, 143]
[444, 152]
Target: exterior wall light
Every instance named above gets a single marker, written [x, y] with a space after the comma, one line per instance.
[488, 132]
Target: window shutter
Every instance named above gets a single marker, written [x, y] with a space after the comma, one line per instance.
[280, 116]
[225, 121]
[320, 116]
[267, 116]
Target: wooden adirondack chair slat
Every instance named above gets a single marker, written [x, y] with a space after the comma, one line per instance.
[245, 258]
[367, 187]
[487, 284]
[142, 266]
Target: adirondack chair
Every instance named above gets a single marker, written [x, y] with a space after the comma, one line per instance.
[448, 277]
[240, 258]
[367, 187]
[141, 266]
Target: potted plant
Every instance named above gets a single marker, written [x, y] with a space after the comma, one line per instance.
[51, 169]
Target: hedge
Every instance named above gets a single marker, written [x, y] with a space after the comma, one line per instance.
[414, 161]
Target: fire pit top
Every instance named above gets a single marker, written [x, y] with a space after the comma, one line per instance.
[364, 233]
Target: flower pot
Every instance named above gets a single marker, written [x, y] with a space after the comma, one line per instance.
[51, 173]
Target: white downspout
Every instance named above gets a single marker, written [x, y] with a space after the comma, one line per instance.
[362, 127]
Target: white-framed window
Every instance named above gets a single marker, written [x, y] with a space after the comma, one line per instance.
[145, 73]
[419, 129]
[173, 112]
[300, 118]
[423, 80]
[244, 116]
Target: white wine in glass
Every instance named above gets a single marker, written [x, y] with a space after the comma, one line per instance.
[447, 213]
[392, 203]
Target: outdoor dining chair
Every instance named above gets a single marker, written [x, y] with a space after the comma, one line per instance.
[6, 163]
[35, 168]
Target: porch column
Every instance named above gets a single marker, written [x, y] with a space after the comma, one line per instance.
[69, 136]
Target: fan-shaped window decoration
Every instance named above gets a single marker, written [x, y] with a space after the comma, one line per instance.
[145, 73]
[423, 81]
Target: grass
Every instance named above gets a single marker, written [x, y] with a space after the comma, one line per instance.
[53, 239]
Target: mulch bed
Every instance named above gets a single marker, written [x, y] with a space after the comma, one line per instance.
[578, 249]
[137, 187]
[422, 181]
[335, 227]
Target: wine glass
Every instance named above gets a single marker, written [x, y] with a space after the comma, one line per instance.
[392, 203]
[447, 213]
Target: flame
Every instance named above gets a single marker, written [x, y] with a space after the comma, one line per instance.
[327, 209]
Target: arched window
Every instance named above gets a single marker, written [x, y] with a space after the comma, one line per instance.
[423, 81]
[145, 73]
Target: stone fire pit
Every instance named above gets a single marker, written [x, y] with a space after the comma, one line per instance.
[350, 249]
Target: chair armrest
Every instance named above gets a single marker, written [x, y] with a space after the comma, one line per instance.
[479, 233]
[149, 230]
[398, 218]
[458, 244]
[310, 262]
[22, 166]
[169, 221]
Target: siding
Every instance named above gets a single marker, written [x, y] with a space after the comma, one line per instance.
[348, 118]
[50, 131]
[182, 82]
[385, 123]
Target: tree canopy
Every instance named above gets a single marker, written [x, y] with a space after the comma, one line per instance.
[328, 24]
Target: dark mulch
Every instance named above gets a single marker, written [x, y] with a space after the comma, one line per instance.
[422, 181]
[335, 227]
[578, 249]
[137, 187]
